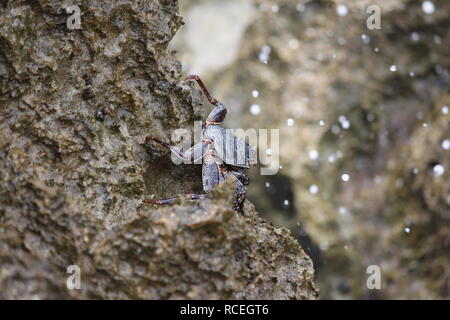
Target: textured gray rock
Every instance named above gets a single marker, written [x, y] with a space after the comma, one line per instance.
[75, 106]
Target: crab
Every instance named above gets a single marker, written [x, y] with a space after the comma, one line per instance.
[224, 155]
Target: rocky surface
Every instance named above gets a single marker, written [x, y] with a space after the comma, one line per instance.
[372, 104]
[75, 108]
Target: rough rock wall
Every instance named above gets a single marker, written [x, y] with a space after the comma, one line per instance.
[372, 104]
[75, 108]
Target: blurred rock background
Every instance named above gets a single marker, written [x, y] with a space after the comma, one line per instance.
[364, 129]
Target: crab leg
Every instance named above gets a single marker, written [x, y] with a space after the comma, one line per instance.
[241, 190]
[195, 77]
[171, 200]
[193, 154]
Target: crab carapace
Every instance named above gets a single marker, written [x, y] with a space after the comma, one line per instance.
[224, 155]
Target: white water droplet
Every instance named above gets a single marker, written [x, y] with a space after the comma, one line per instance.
[376, 49]
[345, 177]
[321, 123]
[286, 203]
[444, 110]
[393, 68]
[275, 8]
[293, 44]
[313, 189]
[269, 152]
[290, 122]
[365, 38]
[264, 54]
[446, 144]
[415, 36]
[267, 184]
[428, 7]
[343, 211]
[407, 230]
[255, 93]
[345, 124]
[255, 109]
[331, 159]
[313, 154]
[437, 39]
[342, 10]
[416, 170]
[438, 170]
[412, 74]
